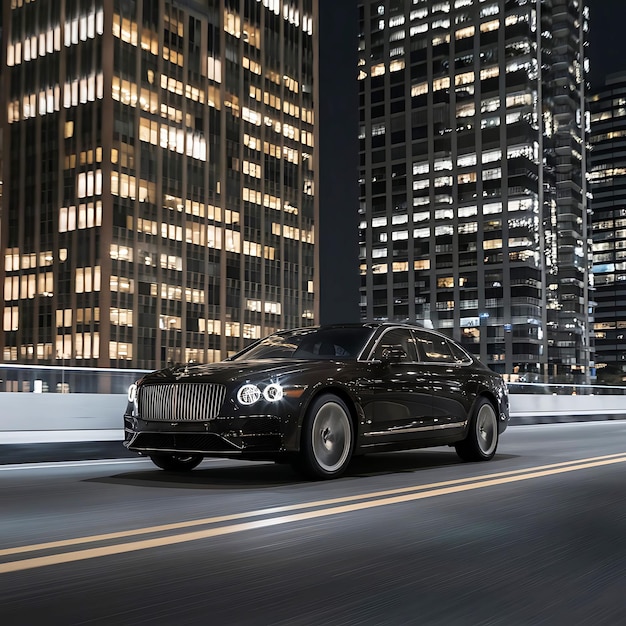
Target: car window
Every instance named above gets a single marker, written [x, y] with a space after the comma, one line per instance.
[397, 337]
[459, 354]
[333, 342]
[279, 345]
[309, 343]
[434, 348]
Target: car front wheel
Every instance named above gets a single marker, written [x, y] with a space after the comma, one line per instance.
[176, 462]
[327, 438]
[482, 439]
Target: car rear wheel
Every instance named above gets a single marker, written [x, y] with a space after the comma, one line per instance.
[327, 438]
[482, 439]
[176, 462]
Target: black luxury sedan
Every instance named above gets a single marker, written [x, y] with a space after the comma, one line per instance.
[315, 397]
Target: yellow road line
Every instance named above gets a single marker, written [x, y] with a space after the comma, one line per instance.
[145, 544]
[284, 509]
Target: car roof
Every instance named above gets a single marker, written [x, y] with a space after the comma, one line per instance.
[372, 325]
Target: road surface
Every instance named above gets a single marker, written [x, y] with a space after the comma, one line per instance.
[536, 536]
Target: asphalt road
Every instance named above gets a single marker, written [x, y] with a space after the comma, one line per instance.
[536, 536]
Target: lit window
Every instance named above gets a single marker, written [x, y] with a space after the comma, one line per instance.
[462, 33]
[378, 70]
[378, 253]
[491, 155]
[11, 319]
[468, 211]
[489, 10]
[492, 174]
[466, 160]
[442, 164]
[489, 26]
[419, 89]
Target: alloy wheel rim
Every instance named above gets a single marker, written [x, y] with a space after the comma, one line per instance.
[486, 429]
[332, 436]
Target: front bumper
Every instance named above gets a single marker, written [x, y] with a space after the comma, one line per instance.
[248, 436]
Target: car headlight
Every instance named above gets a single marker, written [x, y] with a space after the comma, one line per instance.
[132, 393]
[273, 392]
[248, 394]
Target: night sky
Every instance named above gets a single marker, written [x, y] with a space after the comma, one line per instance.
[607, 41]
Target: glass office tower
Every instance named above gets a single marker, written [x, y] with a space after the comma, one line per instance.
[608, 183]
[159, 197]
[473, 196]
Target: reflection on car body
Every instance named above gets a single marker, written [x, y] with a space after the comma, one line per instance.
[315, 397]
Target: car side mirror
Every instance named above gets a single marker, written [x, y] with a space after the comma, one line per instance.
[394, 354]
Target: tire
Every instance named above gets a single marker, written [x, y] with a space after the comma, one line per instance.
[176, 462]
[482, 439]
[327, 439]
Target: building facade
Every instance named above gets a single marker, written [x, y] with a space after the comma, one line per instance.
[608, 183]
[474, 212]
[159, 197]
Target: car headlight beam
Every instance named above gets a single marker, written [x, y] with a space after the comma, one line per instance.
[132, 393]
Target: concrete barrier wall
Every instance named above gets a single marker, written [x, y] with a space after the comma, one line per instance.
[57, 411]
[57, 418]
[542, 409]
[84, 416]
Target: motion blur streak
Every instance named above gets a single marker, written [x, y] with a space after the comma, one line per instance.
[81, 555]
[19, 467]
[286, 508]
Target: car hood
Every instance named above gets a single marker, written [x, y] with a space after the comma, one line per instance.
[226, 372]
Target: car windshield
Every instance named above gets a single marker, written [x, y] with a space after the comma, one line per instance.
[309, 343]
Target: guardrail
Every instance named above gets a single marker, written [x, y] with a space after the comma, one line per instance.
[60, 379]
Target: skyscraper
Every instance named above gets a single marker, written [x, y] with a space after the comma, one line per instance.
[608, 183]
[474, 211]
[159, 202]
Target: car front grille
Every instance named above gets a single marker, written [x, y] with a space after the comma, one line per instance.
[180, 402]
